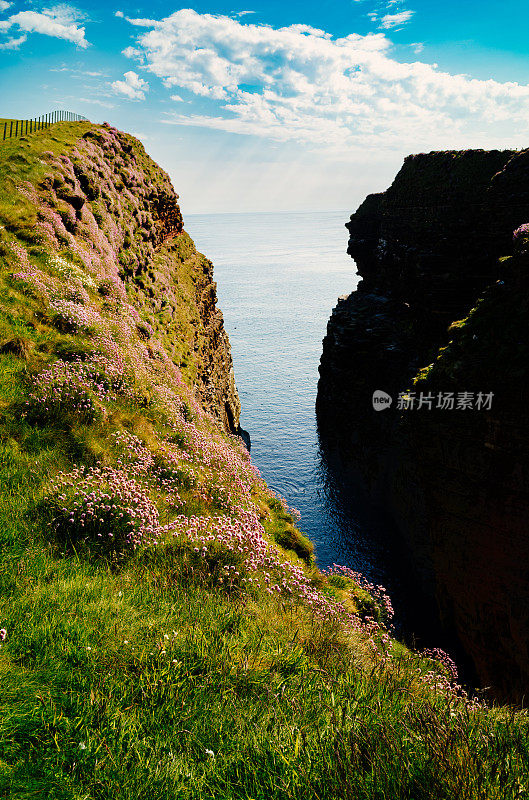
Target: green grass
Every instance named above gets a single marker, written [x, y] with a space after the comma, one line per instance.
[145, 677]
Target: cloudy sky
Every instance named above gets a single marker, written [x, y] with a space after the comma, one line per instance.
[277, 105]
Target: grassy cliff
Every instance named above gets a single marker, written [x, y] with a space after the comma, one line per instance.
[164, 630]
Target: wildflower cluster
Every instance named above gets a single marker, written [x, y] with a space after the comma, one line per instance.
[445, 660]
[255, 563]
[71, 272]
[75, 388]
[294, 512]
[112, 287]
[71, 317]
[104, 508]
[162, 470]
[32, 282]
[522, 232]
[63, 389]
[521, 238]
[376, 592]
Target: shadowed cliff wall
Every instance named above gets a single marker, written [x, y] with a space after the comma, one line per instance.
[455, 482]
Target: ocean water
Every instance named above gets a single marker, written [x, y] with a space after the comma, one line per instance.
[278, 278]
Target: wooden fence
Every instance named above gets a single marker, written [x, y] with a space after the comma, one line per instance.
[21, 127]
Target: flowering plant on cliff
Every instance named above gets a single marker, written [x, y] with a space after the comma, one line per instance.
[104, 508]
[521, 238]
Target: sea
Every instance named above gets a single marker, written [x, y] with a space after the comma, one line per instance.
[278, 278]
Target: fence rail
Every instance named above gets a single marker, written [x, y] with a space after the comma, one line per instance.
[21, 127]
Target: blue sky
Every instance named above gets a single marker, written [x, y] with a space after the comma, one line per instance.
[274, 105]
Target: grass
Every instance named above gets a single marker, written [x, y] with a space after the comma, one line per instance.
[161, 671]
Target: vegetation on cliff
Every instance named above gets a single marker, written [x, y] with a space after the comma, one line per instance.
[164, 631]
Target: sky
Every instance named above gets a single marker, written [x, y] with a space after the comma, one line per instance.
[274, 105]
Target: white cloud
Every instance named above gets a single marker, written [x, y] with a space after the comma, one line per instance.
[119, 14]
[418, 47]
[177, 98]
[61, 22]
[394, 20]
[132, 87]
[307, 86]
[133, 52]
[4, 5]
[13, 43]
[243, 13]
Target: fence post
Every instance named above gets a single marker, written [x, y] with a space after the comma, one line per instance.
[5, 130]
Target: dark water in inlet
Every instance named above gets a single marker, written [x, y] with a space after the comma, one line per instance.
[279, 276]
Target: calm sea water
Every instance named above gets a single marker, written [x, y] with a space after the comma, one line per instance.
[279, 276]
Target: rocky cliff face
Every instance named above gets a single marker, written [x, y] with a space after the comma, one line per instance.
[115, 212]
[455, 481]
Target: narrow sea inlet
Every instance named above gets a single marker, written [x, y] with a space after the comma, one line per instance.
[278, 277]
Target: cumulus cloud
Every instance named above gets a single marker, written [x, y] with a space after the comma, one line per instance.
[394, 20]
[298, 83]
[61, 22]
[132, 87]
[119, 14]
[4, 5]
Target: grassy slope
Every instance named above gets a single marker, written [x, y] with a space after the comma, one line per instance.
[152, 673]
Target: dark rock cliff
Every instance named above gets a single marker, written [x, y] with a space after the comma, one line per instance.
[456, 482]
